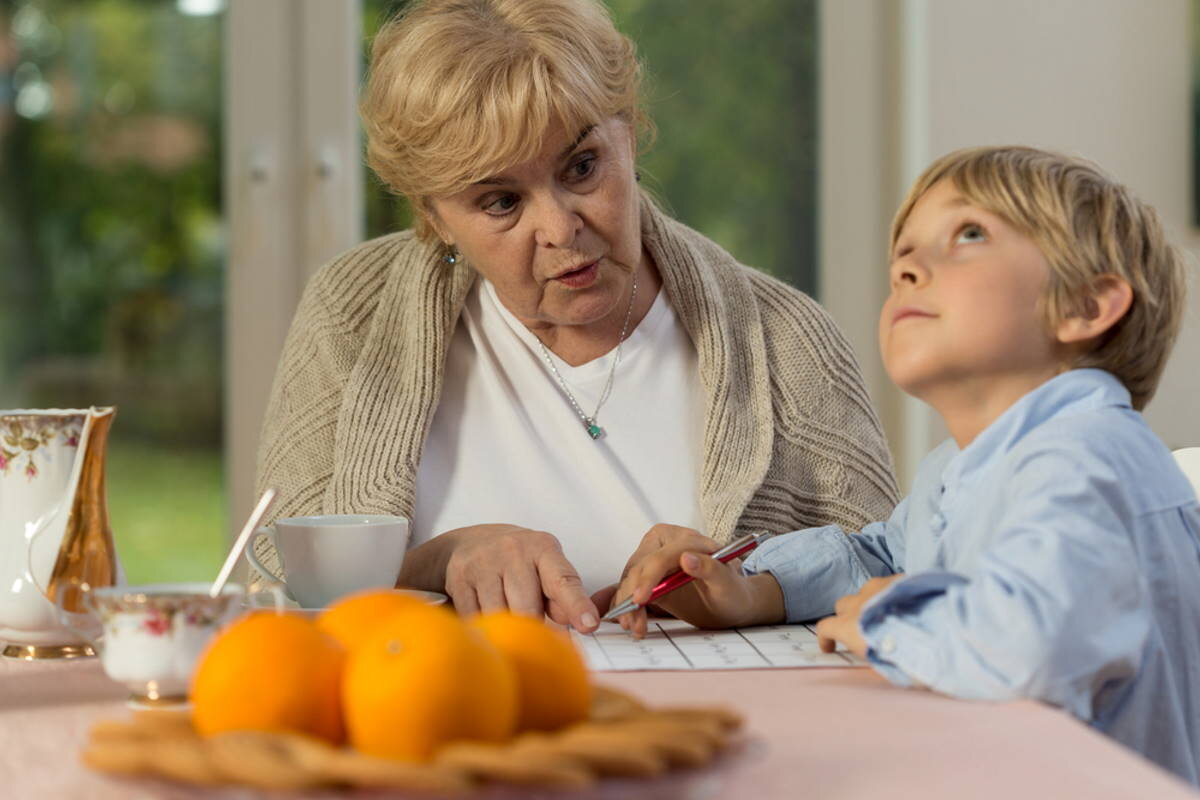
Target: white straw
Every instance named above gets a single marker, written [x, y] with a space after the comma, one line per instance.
[235, 553]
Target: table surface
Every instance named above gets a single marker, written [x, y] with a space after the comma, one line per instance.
[820, 733]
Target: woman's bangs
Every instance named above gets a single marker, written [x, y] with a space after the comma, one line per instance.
[513, 115]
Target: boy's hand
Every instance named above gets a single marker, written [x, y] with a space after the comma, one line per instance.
[720, 597]
[843, 625]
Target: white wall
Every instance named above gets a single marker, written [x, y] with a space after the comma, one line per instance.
[1105, 79]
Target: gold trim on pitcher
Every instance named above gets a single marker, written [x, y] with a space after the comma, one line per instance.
[87, 554]
[37, 652]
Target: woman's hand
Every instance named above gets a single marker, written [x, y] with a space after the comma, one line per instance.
[720, 597]
[491, 567]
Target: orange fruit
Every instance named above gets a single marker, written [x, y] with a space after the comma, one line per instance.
[351, 619]
[552, 677]
[421, 679]
[270, 672]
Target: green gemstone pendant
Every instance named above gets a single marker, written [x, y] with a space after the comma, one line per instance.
[594, 430]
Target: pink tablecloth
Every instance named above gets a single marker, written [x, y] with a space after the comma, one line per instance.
[827, 733]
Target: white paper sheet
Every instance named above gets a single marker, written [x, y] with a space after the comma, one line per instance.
[676, 645]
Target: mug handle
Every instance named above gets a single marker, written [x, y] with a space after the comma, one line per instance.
[278, 594]
[277, 585]
[67, 618]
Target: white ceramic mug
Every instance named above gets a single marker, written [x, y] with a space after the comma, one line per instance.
[154, 634]
[325, 557]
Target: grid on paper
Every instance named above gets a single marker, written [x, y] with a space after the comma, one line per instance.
[676, 645]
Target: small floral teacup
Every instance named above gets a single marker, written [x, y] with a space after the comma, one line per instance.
[153, 634]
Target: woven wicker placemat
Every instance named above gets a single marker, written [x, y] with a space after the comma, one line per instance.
[622, 738]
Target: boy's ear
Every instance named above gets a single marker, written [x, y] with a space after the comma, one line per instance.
[1103, 308]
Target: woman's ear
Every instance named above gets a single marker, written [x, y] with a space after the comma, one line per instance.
[425, 208]
[1109, 301]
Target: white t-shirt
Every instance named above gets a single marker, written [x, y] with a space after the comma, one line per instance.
[506, 446]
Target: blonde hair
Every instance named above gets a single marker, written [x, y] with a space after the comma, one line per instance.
[1086, 225]
[460, 90]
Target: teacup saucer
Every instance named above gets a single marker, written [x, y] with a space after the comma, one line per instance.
[433, 598]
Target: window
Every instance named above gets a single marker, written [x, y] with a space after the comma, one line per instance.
[112, 253]
[116, 256]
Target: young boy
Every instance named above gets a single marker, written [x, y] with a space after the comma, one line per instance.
[1051, 550]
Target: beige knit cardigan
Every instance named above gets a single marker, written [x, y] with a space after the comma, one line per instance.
[790, 437]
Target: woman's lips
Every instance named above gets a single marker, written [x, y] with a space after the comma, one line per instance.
[580, 278]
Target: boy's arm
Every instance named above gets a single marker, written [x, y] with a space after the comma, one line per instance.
[815, 567]
[791, 577]
[1054, 610]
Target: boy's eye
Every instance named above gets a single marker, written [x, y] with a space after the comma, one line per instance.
[970, 233]
[502, 205]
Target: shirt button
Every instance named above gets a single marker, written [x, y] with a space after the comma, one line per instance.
[887, 645]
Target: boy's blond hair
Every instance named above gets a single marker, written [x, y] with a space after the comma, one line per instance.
[1086, 225]
[460, 90]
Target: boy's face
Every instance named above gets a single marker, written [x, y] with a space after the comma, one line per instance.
[962, 326]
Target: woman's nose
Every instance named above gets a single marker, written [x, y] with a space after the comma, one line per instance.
[557, 220]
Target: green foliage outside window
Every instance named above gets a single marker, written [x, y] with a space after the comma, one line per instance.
[112, 254]
[110, 227]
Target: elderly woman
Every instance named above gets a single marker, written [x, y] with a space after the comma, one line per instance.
[548, 371]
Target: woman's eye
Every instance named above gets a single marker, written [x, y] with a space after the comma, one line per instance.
[501, 205]
[970, 233]
[581, 169]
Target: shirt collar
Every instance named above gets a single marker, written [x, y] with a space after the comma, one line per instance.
[1071, 392]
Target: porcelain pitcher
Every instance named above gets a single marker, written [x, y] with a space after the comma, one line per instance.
[54, 531]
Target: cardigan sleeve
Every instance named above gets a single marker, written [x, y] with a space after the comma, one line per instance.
[295, 453]
[830, 463]
[296, 446]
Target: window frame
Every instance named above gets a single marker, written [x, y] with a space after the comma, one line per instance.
[293, 190]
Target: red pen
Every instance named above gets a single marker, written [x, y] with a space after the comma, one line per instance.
[729, 552]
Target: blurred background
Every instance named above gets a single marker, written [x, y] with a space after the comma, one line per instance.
[114, 233]
[172, 171]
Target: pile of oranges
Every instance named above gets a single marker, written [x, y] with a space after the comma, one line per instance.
[391, 675]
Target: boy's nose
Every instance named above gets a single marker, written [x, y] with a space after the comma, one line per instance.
[908, 270]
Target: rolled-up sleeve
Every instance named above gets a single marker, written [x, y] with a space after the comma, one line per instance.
[816, 566]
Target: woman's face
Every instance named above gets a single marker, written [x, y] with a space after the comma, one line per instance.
[560, 235]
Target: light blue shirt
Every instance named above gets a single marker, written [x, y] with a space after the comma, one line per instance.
[1056, 557]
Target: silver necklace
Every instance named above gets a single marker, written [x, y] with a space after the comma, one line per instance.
[589, 423]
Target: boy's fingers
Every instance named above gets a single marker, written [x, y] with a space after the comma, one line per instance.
[845, 604]
[696, 566]
[640, 622]
[826, 633]
[707, 569]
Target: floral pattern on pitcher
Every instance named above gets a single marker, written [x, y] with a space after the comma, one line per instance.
[25, 436]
